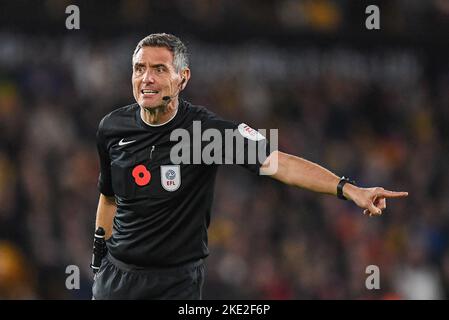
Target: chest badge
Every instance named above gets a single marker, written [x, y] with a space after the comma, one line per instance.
[141, 175]
[171, 177]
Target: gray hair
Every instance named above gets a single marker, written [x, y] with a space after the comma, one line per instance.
[169, 41]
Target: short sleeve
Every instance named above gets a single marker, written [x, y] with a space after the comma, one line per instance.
[241, 144]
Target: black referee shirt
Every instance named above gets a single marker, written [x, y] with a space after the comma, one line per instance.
[163, 209]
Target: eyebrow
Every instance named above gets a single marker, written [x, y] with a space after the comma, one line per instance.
[139, 64]
[159, 65]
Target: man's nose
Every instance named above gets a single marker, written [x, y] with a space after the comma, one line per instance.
[148, 77]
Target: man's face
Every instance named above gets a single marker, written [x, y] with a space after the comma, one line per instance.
[154, 76]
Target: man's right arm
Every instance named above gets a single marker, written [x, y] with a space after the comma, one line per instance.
[106, 204]
[105, 214]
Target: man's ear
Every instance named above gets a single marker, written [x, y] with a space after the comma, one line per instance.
[185, 76]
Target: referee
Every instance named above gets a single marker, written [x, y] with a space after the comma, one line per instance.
[156, 213]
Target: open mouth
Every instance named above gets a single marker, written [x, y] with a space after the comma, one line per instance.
[148, 92]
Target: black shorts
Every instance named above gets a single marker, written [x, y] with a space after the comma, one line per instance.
[117, 280]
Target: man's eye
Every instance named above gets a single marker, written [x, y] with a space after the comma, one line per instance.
[160, 69]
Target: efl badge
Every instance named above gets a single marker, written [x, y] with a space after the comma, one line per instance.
[171, 177]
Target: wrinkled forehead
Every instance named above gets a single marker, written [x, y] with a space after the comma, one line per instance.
[153, 55]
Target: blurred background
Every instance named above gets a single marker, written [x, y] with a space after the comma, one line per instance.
[372, 105]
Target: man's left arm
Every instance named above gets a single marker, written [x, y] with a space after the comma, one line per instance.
[299, 172]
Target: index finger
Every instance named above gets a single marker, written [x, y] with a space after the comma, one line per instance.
[393, 194]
